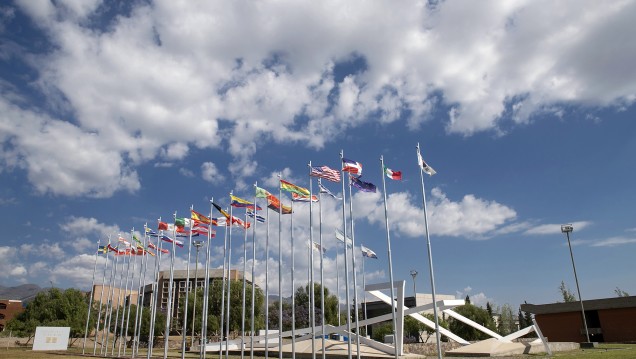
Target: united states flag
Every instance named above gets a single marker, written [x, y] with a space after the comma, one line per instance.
[326, 173]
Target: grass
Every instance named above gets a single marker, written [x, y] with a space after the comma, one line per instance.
[604, 351]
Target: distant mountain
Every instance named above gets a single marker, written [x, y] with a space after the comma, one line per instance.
[24, 292]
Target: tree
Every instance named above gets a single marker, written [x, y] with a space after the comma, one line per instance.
[467, 299]
[489, 309]
[522, 319]
[301, 299]
[506, 323]
[620, 293]
[443, 323]
[54, 308]
[566, 293]
[476, 314]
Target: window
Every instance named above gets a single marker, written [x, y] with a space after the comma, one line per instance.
[3, 306]
[1, 316]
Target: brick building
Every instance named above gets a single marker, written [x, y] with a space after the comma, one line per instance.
[608, 320]
[9, 308]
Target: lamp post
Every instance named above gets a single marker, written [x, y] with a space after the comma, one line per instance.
[414, 274]
[197, 245]
[567, 228]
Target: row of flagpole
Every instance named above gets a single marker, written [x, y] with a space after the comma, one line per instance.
[348, 166]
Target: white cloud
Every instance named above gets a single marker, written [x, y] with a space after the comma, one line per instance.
[472, 217]
[154, 85]
[613, 242]
[210, 173]
[186, 172]
[551, 229]
[10, 263]
[81, 226]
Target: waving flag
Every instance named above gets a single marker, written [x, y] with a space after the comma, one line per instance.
[273, 203]
[326, 173]
[366, 252]
[171, 227]
[340, 237]
[290, 187]
[319, 248]
[353, 167]
[223, 212]
[394, 175]
[171, 240]
[324, 189]
[241, 203]
[426, 168]
[102, 249]
[198, 217]
[182, 223]
[262, 193]
[299, 198]
[153, 246]
[259, 218]
[122, 240]
[362, 186]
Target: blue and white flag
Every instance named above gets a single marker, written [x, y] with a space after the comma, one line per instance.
[170, 240]
[366, 252]
[362, 186]
[259, 218]
[340, 237]
[324, 189]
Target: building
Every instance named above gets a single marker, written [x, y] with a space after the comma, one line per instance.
[608, 320]
[9, 309]
[117, 295]
[377, 308]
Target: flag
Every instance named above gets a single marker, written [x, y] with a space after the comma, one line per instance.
[362, 186]
[299, 198]
[137, 240]
[353, 167]
[198, 217]
[318, 248]
[181, 223]
[112, 249]
[150, 232]
[324, 189]
[102, 249]
[426, 168]
[203, 229]
[259, 218]
[394, 175]
[219, 222]
[171, 227]
[340, 237]
[262, 193]
[187, 234]
[170, 240]
[218, 208]
[241, 203]
[273, 203]
[326, 173]
[240, 223]
[122, 240]
[290, 187]
[366, 252]
[153, 246]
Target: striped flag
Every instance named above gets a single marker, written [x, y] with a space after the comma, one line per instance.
[366, 252]
[324, 189]
[170, 240]
[259, 218]
[290, 187]
[299, 198]
[425, 167]
[394, 175]
[198, 217]
[325, 172]
[353, 167]
[241, 203]
[340, 237]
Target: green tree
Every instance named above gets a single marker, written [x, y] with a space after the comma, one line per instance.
[522, 319]
[55, 308]
[506, 323]
[431, 331]
[566, 293]
[489, 309]
[467, 300]
[476, 314]
[301, 299]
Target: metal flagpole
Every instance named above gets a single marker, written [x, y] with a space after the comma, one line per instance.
[140, 298]
[388, 245]
[353, 269]
[338, 283]
[101, 300]
[253, 281]
[244, 286]
[280, 271]
[90, 302]
[322, 273]
[196, 275]
[109, 310]
[346, 268]
[170, 290]
[132, 282]
[430, 257]
[293, 297]
[267, 283]
[122, 334]
[206, 291]
[229, 285]
[119, 300]
[223, 282]
[364, 285]
[312, 305]
[154, 302]
[187, 290]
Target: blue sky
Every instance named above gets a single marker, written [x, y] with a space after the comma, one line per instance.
[113, 115]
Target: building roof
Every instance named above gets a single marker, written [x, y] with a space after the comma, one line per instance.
[593, 304]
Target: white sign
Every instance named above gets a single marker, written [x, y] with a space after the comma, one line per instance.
[51, 338]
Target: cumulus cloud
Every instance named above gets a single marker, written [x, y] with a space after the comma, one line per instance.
[471, 217]
[210, 173]
[270, 77]
[613, 241]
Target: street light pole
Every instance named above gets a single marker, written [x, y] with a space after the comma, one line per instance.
[414, 274]
[567, 228]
